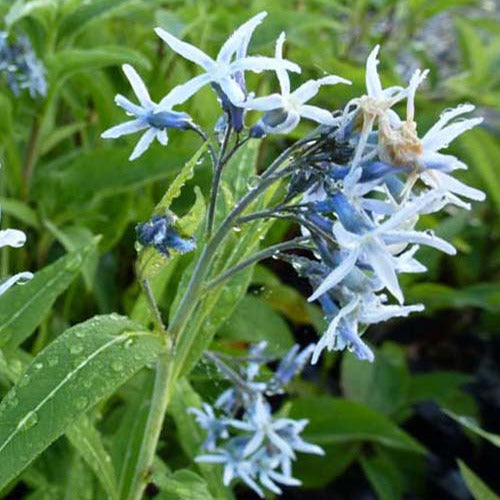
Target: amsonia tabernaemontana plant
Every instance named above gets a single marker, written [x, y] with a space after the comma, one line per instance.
[354, 189]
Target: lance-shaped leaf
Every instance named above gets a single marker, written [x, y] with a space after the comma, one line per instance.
[24, 307]
[81, 367]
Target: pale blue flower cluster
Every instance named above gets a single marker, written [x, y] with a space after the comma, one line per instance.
[360, 208]
[226, 75]
[243, 435]
[21, 67]
[357, 187]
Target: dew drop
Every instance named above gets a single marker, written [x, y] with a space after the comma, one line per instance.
[53, 360]
[237, 229]
[117, 366]
[29, 421]
[79, 334]
[38, 366]
[76, 349]
[16, 366]
[81, 403]
[129, 343]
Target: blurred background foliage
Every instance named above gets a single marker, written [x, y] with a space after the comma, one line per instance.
[391, 429]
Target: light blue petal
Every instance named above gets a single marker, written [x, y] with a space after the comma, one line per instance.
[240, 37]
[143, 144]
[267, 103]
[186, 50]
[129, 106]
[138, 86]
[12, 238]
[126, 128]
[337, 275]
[316, 114]
[183, 92]
[309, 89]
[261, 63]
[20, 277]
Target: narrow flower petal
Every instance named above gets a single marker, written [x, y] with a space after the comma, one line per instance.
[138, 86]
[309, 89]
[316, 114]
[449, 115]
[244, 32]
[181, 93]
[262, 63]
[282, 74]
[128, 106]
[441, 139]
[337, 275]
[12, 238]
[449, 183]
[267, 103]
[143, 144]
[186, 50]
[232, 90]
[9, 282]
[421, 238]
[162, 137]
[373, 84]
[126, 128]
[384, 267]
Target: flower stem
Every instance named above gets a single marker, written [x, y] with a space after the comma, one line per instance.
[256, 257]
[166, 370]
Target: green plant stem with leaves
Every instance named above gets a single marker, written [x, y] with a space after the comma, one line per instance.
[167, 368]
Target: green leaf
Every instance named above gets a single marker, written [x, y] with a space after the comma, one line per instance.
[437, 296]
[87, 440]
[335, 420]
[74, 237]
[470, 424]
[384, 476]
[66, 63]
[287, 300]
[182, 485]
[332, 464]
[81, 367]
[445, 388]
[43, 10]
[81, 178]
[150, 262]
[254, 320]
[382, 385]
[23, 308]
[20, 211]
[85, 13]
[127, 440]
[479, 490]
[481, 149]
[174, 189]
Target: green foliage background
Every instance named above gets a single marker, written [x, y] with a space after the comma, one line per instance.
[78, 198]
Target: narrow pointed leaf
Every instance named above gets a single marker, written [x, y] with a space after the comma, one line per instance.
[81, 367]
[24, 307]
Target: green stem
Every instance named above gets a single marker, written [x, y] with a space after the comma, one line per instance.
[165, 372]
[218, 167]
[256, 257]
[162, 391]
